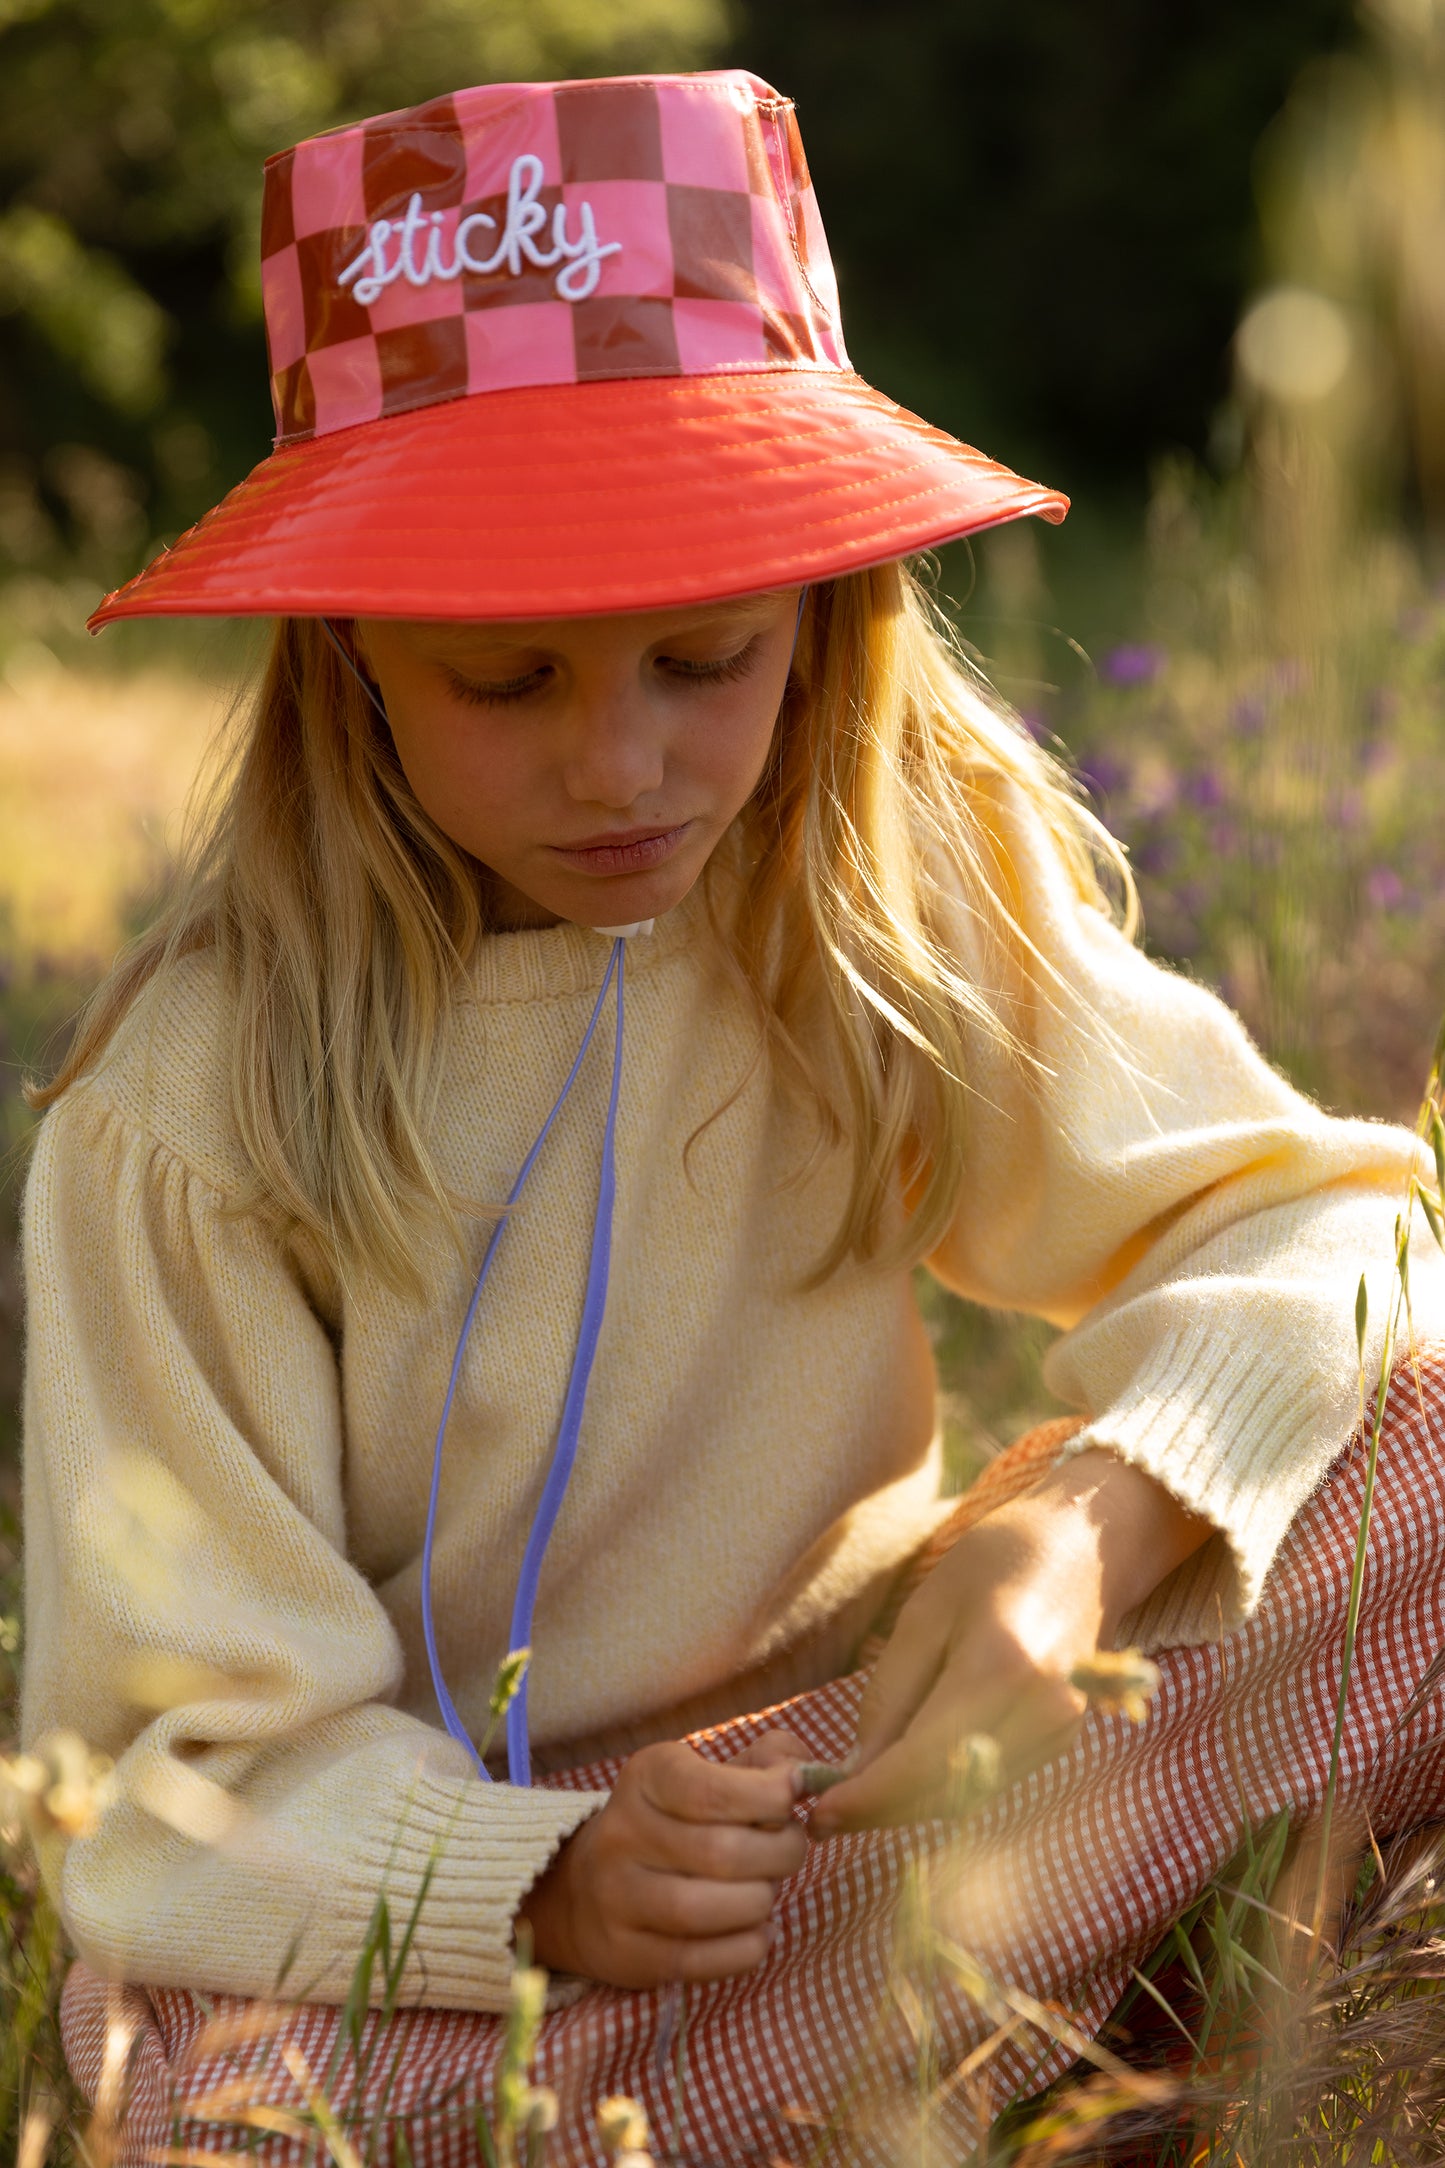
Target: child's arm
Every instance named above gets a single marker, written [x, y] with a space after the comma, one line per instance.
[191, 1611]
[987, 1642]
[1138, 1174]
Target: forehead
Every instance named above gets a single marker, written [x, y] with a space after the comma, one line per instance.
[633, 630]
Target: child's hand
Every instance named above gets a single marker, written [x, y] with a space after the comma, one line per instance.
[987, 1642]
[676, 1877]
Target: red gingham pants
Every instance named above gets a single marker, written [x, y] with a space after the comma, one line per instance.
[1055, 1889]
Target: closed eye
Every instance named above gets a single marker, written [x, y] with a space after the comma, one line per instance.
[506, 691]
[711, 673]
[499, 695]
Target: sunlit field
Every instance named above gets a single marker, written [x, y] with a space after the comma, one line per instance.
[94, 774]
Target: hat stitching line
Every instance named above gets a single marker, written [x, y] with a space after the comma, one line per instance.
[782, 439]
[265, 601]
[771, 112]
[843, 500]
[892, 505]
[212, 512]
[817, 497]
[789, 430]
[570, 383]
[393, 124]
[911, 425]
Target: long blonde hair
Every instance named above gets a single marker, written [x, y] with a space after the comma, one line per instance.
[341, 916]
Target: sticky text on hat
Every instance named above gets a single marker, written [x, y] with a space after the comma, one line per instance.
[581, 259]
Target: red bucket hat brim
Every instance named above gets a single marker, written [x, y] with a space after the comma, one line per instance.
[588, 499]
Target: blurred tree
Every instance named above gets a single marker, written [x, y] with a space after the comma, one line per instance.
[132, 385]
[1042, 212]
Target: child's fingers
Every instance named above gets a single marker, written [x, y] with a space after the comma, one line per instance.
[902, 1678]
[647, 1960]
[724, 1851]
[921, 1774]
[771, 1751]
[691, 1909]
[678, 1782]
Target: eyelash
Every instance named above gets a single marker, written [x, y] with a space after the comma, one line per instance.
[686, 673]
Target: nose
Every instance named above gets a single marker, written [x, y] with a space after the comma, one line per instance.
[615, 753]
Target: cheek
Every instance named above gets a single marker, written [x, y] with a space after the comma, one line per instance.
[469, 780]
[733, 747]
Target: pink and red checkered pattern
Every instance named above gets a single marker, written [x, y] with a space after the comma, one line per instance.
[1058, 1889]
[696, 184]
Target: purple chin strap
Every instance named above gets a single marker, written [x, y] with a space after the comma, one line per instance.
[594, 1305]
[564, 1452]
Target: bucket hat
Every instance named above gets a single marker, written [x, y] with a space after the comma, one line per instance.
[556, 349]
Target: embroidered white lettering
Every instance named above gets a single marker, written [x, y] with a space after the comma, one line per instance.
[371, 284]
[415, 275]
[432, 265]
[465, 260]
[581, 259]
[582, 273]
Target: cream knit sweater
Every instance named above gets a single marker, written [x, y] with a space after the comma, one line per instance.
[228, 1451]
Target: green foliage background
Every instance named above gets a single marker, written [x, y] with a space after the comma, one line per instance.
[1043, 217]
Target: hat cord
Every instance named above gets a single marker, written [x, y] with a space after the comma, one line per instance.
[564, 1452]
[594, 1305]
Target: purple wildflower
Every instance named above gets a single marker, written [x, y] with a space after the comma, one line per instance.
[1156, 855]
[1384, 888]
[1205, 789]
[1248, 715]
[1101, 775]
[1135, 663]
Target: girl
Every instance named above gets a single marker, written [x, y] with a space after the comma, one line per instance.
[479, 1217]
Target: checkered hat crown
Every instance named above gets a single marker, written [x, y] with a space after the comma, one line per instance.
[527, 234]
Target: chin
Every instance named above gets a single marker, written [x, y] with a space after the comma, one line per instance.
[629, 901]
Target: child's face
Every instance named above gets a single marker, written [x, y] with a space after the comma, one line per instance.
[592, 763]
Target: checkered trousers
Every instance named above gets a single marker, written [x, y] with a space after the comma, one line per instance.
[695, 188]
[1055, 1891]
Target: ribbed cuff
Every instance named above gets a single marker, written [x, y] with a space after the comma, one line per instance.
[483, 1846]
[1211, 1423]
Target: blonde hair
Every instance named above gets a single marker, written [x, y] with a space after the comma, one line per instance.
[340, 917]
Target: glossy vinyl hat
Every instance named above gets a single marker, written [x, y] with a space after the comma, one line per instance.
[552, 349]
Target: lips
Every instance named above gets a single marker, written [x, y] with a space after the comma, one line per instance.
[629, 851]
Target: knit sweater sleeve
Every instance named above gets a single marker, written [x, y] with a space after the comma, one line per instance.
[192, 1611]
[1139, 1174]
